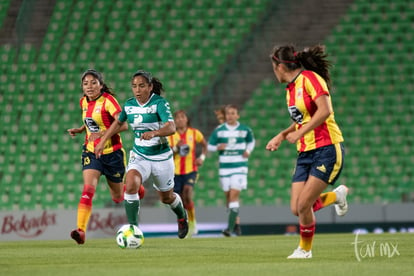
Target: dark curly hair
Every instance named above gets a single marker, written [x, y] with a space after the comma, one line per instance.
[312, 58]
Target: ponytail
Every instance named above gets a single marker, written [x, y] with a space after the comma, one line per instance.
[106, 89]
[313, 58]
[157, 86]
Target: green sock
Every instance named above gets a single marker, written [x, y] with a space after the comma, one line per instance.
[234, 212]
[132, 210]
[178, 208]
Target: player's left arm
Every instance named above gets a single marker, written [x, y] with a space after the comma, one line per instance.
[202, 141]
[323, 111]
[251, 142]
[167, 129]
[169, 126]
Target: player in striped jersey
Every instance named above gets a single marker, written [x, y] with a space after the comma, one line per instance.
[234, 143]
[99, 110]
[150, 118]
[316, 134]
[184, 144]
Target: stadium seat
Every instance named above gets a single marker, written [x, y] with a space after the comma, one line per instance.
[185, 43]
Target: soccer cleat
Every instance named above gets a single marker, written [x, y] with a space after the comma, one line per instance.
[237, 230]
[195, 229]
[182, 228]
[192, 228]
[78, 235]
[299, 253]
[226, 233]
[341, 205]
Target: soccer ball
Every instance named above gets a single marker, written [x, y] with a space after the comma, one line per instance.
[129, 236]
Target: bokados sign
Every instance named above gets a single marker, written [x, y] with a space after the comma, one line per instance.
[27, 227]
[57, 224]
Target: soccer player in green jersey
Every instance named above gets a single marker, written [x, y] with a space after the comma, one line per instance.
[234, 143]
[151, 120]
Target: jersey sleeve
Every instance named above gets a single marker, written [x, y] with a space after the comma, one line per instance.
[249, 136]
[171, 140]
[112, 105]
[81, 102]
[315, 85]
[213, 138]
[122, 116]
[251, 142]
[199, 137]
[164, 111]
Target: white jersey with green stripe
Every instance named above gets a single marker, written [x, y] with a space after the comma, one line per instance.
[148, 117]
[238, 139]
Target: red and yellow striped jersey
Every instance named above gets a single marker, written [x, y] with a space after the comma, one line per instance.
[97, 116]
[186, 164]
[300, 96]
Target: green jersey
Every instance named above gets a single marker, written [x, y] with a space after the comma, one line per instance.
[148, 117]
[238, 139]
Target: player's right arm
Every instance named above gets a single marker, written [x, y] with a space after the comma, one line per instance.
[275, 142]
[73, 131]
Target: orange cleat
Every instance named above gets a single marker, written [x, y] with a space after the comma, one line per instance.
[78, 235]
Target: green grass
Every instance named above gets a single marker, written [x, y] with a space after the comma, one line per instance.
[333, 254]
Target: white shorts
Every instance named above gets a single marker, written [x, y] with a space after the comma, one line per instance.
[159, 173]
[235, 182]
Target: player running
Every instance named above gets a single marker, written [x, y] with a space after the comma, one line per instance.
[316, 134]
[234, 142]
[150, 160]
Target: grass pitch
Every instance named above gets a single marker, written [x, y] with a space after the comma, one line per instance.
[333, 254]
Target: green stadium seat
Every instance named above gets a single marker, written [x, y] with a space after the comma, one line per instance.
[371, 46]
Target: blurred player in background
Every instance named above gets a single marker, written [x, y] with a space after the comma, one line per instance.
[234, 143]
[220, 114]
[99, 110]
[316, 134]
[183, 143]
[151, 159]
[221, 119]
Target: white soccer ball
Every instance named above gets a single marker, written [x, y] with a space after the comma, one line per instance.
[129, 236]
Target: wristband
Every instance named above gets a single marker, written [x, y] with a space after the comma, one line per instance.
[202, 157]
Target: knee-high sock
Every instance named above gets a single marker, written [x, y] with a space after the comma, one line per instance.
[306, 236]
[190, 211]
[324, 200]
[234, 213]
[85, 207]
[178, 208]
[131, 204]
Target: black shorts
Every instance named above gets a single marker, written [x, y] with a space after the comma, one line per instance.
[324, 163]
[112, 165]
[180, 180]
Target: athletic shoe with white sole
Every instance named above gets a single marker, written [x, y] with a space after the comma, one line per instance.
[341, 205]
[299, 253]
[192, 229]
